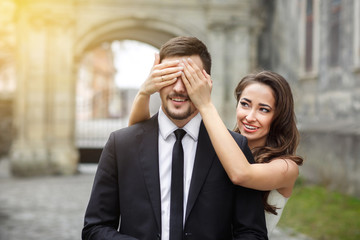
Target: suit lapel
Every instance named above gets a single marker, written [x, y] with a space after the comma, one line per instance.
[149, 156]
[203, 160]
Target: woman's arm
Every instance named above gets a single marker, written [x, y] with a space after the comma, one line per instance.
[277, 174]
[161, 75]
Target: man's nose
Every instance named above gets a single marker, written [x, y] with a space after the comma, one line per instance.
[179, 86]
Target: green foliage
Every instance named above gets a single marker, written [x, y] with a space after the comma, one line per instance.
[322, 214]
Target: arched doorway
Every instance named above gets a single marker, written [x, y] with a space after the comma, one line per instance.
[109, 77]
[55, 36]
[123, 44]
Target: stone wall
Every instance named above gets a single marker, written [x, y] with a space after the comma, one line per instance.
[56, 34]
[326, 100]
[6, 130]
[332, 159]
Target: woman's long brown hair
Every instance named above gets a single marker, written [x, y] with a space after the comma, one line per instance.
[283, 137]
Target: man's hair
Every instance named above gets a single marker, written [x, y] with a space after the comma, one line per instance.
[186, 46]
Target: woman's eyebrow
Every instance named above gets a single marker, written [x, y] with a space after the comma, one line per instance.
[265, 105]
[248, 100]
[261, 104]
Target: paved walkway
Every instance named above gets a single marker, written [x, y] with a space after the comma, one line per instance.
[45, 208]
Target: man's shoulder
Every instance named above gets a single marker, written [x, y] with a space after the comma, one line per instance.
[137, 128]
[237, 136]
[243, 144]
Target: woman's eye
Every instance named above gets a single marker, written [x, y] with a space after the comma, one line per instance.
[244, 104]
[265, 110]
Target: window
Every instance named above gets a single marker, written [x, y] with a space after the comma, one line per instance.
[309, 43]
[309, 36]
[334, 36]
[357, 35]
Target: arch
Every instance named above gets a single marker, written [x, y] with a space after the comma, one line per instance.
[151, 31]
[148, 30]
[54, 53]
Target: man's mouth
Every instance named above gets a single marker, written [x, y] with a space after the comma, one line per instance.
[178, 99]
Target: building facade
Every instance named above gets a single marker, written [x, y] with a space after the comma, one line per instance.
[314, 44]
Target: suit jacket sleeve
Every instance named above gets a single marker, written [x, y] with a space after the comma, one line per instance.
[249, 217]
[103, 212]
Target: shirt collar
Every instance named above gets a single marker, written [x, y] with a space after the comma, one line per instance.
[167, 127]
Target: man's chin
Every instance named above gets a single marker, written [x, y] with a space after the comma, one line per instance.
[179, 115]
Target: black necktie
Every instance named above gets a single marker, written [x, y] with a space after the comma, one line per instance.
[177, 188]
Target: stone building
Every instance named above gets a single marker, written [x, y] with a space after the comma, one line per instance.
[314, 44]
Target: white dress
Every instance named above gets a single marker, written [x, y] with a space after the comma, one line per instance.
[279, 201]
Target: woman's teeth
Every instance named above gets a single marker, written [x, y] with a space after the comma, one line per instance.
[250, 127]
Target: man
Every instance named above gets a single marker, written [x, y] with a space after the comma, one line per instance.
[133, 196]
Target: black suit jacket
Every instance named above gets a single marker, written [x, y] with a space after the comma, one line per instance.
[125, 199]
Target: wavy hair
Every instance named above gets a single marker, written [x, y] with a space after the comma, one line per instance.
[283, 138]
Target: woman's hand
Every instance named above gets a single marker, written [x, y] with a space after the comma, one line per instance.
[161, 75]
[198, 84]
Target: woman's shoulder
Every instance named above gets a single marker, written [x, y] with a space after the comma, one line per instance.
[289, 171]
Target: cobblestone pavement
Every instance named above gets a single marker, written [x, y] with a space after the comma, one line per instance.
[52, 208]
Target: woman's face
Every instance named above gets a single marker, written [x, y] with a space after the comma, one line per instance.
[255, 112]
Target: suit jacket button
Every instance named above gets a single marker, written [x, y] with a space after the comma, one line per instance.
[188, 235]
[158, 236]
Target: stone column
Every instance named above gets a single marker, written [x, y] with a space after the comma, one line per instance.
[45, 98]
[234, 53]
[217, 45]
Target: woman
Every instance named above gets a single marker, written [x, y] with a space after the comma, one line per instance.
[265, 115]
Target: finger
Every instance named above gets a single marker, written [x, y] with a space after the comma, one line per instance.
[157, 59]
[167, 64]
[208, 79]
[171, 70]
[190, 73]
[167, 68]
[171, 75]
[167, 83]
[186, 82]
[195, 68]
[207, 76]
[187, 74]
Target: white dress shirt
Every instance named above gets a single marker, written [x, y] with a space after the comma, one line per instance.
[166, 142]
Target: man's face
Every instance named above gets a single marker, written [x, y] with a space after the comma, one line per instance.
[175, 101]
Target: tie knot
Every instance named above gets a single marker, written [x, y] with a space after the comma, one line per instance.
[179, 133]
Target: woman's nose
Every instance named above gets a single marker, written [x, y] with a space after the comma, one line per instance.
[251, 117]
